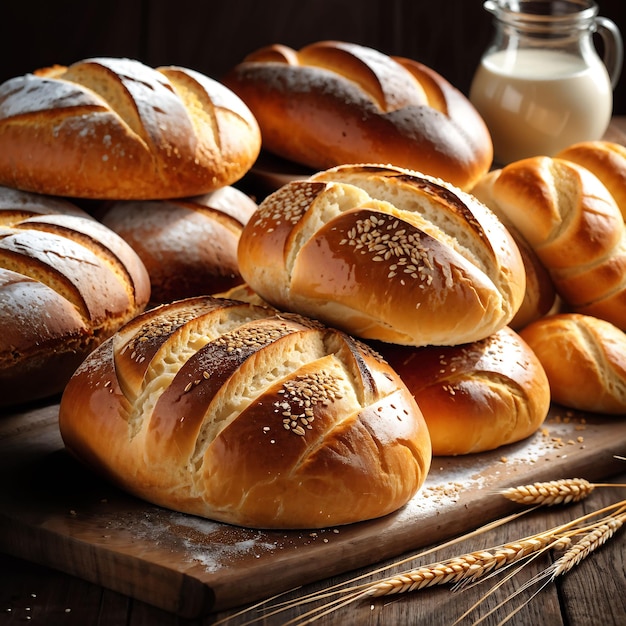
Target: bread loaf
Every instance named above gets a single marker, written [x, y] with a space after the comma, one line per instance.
[66, 284]
[188, 246]
[239, 414]
[605, 159]
[334, 102]
[540, 296]
[574, 225]
[478, 396]
[585, 360]
[384, 253]
[117, 129]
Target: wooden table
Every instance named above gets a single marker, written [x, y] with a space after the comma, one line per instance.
[593, 593]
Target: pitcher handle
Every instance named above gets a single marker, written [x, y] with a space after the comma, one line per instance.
[613, 47]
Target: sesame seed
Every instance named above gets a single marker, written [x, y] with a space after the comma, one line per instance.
[302, 394]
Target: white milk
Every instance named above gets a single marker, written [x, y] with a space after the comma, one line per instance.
[536, 102]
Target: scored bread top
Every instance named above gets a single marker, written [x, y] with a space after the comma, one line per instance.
[245, 415]
[384, 253]
[66, 283]
[573, 224]
[117, 129]
[334, 102]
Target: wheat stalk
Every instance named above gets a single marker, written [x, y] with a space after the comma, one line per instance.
[586, 545]
[553, 492]
[470, 566]
[593, 537]
[550, 493]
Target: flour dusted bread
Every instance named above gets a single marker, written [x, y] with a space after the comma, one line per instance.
[585, 360]
[66, 284]
[572, 222]
[334, 102]
[477, 396]
[244, 415]
[189, 246]
[384, 253]
[117, 129]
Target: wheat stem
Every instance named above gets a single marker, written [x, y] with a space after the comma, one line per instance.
[586, 545]
[470, 566]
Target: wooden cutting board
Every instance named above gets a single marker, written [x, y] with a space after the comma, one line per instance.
[56, 513]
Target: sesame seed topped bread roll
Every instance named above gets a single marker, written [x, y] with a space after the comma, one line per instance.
[585, 360]
[334, 102]
[477, 396]
[189, 246]
[240, 414]
[384, 253]
[572, 222]
[66, 284]
[110, 128]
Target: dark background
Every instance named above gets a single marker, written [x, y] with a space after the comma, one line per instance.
[212, 36]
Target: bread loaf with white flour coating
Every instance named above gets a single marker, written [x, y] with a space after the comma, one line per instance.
[109, 128]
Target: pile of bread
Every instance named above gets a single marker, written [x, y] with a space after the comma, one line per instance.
[293, 357]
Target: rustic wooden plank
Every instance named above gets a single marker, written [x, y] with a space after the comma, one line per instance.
[58, 514]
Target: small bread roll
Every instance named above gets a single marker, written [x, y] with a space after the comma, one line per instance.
[478, 396]
[248, 416]
[540, 295]
[573, 224]
[384, 253]
[585, 360]
[189, 246]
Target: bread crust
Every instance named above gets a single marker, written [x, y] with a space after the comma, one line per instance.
[333, 102]
[585, 360]
[384, 253]
[188, 246]
[573, 224]
[607, 161]
[109, 128]
[248, 416]
[66, 284]
[475, 397]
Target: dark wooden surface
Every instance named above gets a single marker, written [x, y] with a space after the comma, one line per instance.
[594, 593]
[212, 36]
[56, 513]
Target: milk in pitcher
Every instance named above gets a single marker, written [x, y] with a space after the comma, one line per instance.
[541, 101]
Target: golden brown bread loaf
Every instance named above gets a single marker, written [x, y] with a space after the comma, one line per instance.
[478, 396]
[605, 159]
[540, 296]
[384, 253]
[574, 225]
[243, 415]
[66, 284]
[116, 129]
[188, 246]
[585, 360]
[334, 102]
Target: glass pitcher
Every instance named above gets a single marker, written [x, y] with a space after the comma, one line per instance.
[541, 85]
